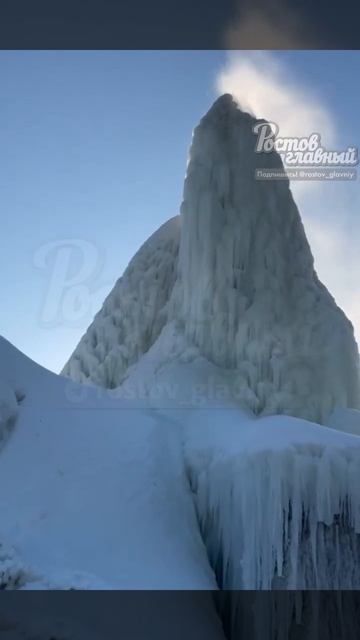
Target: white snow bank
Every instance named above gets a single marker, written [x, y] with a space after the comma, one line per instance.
[174, 374]
[94, 486]
[347, 420]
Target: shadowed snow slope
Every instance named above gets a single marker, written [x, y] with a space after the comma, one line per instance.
[243, 289]
[92, 491]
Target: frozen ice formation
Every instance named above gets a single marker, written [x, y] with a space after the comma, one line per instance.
[247, 290]
[97, 495]
[277, 499]
[238, 276]
[132, 315]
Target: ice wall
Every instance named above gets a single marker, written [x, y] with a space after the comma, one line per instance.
[247, 291]
[278, 501]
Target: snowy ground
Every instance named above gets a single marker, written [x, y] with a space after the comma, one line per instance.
[93, 492]
[166, 483]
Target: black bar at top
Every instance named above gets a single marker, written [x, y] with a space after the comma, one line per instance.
[179, 24]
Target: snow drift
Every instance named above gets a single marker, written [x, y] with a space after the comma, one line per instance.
[93, 492]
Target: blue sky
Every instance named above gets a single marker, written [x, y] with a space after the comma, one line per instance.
[93, 156]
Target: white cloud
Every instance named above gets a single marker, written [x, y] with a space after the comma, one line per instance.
[268, 88]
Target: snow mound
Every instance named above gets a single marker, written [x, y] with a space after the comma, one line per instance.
[132, 315]
[93, 491]
[173, 374]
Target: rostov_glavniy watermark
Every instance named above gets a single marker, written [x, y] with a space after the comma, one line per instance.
[305, 151]
[72, 267]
